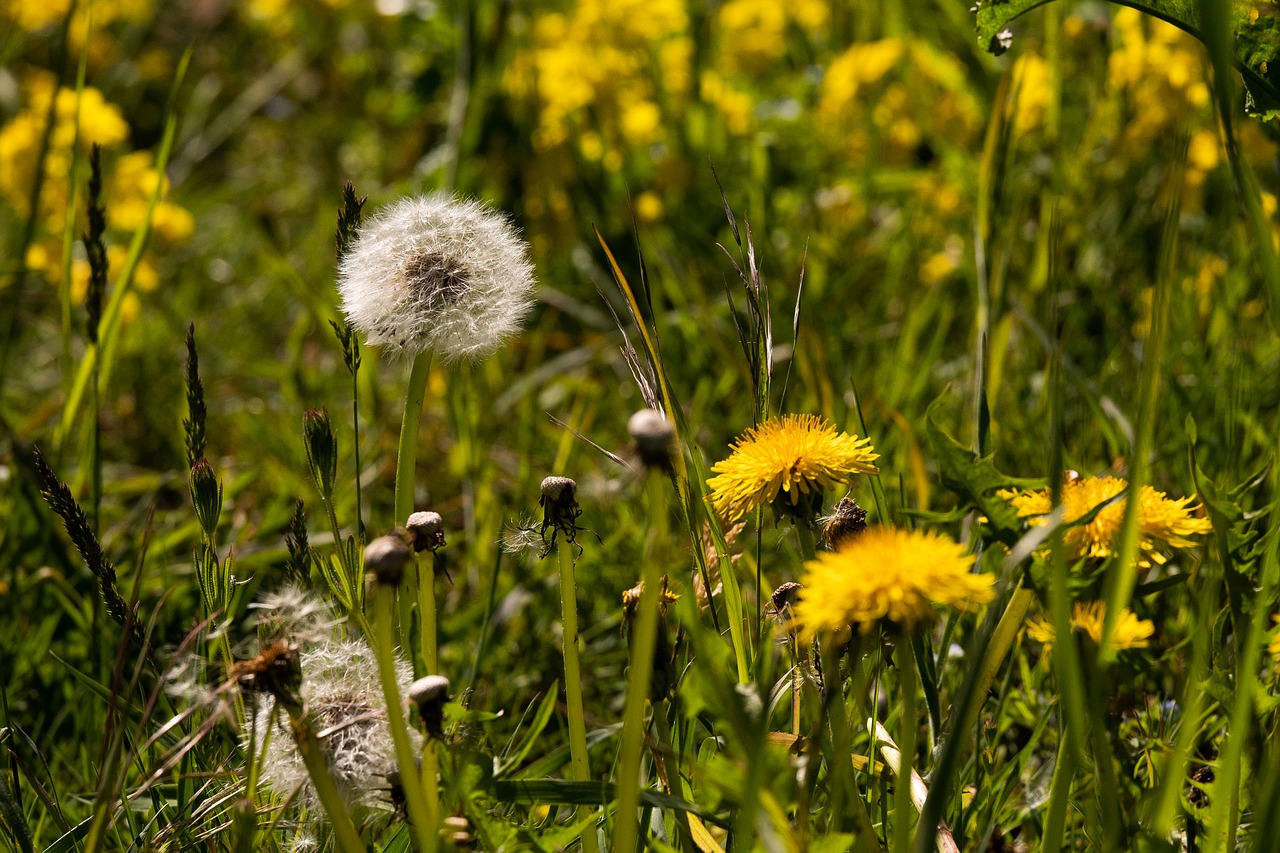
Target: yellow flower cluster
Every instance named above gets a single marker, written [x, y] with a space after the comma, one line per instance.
[1161, 71]
[610, 66]
[132, 178]
[753, 33]
[887, 574]
[887, 92]
[1088, 618]
[801, 455]
[1162, 521]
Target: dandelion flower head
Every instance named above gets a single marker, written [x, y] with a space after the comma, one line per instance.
[1088, 617]
[887, 574]
[1163, 522]
[799, 455]
[437, 273]
[341, 692]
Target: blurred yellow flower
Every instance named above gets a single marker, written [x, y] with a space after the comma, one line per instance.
[800, 455]
[1162, 521]
[1088, 617]
[887, 574]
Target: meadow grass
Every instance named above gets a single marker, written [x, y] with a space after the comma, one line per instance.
[1008, 583]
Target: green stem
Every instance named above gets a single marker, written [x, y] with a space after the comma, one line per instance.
[407, 455]
[808, 544]
[1064, 772]
[907, 724]
[579, 766]
[644, 635]
[355, 420]
[384, 649]
[309, 747]
[427, 611]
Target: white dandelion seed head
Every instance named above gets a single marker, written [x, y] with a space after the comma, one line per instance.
[437, 273]
[295, 614]
[342, 693]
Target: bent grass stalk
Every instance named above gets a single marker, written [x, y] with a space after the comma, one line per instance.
[384, 649]
[580, 768]
[643, 640]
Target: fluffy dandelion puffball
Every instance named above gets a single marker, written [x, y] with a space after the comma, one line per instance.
[799, 455]
[437, 273]
[342, 693]
[887, 574]
[1163, 522]
[1088, 617]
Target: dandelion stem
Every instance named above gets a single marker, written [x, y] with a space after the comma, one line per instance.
[312, 753]
[579, 766]
[427, 610]
[384, 649]
[907, 726]
[644, 637]
[407, 455]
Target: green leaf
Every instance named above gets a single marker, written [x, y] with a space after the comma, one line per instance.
[975, 481]
[1255, 27]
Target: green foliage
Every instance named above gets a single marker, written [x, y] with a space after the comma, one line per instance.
[1069, 244]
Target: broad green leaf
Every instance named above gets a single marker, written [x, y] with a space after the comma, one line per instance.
[1255, 27]
[975, 480]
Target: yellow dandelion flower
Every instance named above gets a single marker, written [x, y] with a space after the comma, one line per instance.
[1087, 617]
[798, 454]
[1162, 521]
[1273, 647]
[887, 574]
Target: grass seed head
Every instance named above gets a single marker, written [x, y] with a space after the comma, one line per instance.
[437, 273]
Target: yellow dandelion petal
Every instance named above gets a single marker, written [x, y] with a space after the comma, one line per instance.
[887, 574]
[1088, 618]
[1163, 522]
[800, 455]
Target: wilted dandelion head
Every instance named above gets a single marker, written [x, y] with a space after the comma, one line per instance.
[798, 455]
[437, 273]
[887, 574]
[1088, 618]
[1163, 522]
[342, 694]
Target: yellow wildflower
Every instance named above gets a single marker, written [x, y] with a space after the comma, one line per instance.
[1162, 521]
[798, 454]
[887, 574]
[1088, 617]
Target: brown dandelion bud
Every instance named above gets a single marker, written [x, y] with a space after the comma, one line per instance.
[653, 436]
[847, 521]
[430, 694]
[276, 671]
[427, 530]
[386, 557]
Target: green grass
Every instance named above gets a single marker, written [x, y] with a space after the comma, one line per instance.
[998, 269]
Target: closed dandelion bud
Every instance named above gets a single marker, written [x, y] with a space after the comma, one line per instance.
[322, 449]
[559, 507]
[847, 521]
[653, 436]
[430, 694]
[427, 531]
[439, 274]
[206, 496]
[386, 557]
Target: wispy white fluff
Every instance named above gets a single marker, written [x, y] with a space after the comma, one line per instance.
[341, 691]
[437, 273]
